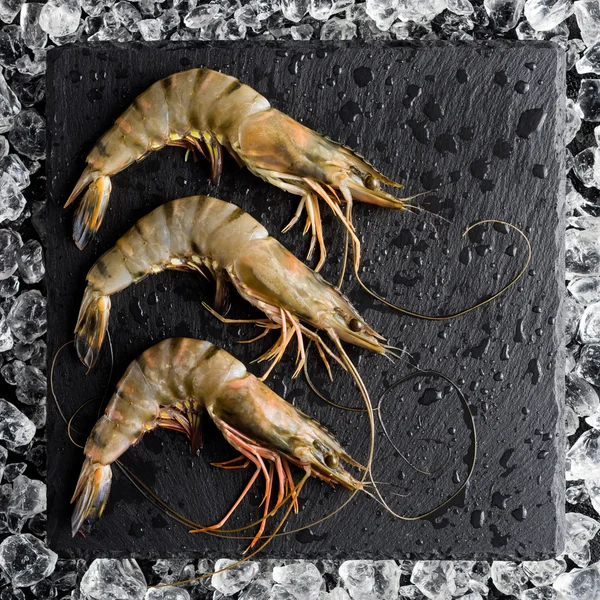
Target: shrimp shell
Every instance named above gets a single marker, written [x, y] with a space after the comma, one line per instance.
[210, 236]
[208, 111]
[170, 385]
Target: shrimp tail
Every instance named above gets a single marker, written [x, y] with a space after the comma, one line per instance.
[91, 326]
[90, 496]
[90, 212]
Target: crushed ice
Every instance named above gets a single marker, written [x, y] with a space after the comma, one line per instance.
[28, 30]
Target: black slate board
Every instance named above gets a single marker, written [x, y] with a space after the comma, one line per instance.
[426, 115]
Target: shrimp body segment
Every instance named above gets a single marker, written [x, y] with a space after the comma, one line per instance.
[219, 239]
[170, 385]
[207, 112]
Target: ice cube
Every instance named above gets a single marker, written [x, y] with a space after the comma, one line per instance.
[573, 122]
[324, 9]
[435, 578]
[15, 428]
[150, 29]
[337, 593]
[461, 7]
[581, 396]
[582, 255]
[127, 15]
[588, 365]
[588, 100]
[294, 10]
[113, 579]
[587, 13]
[13, 471]
[579, 584]
[3, 457]
[301, 579]
[201, 16]
[509, 577]
[31, 262]
[338, 29]
[26, 560]
[370, 579]
[60, 17]
[302, 32]
[27, 317]
[540, 593]
[576, 493]
[574, 49]
[544, 572]
[12, 201]
[14, 166]
[167, 593]
[585, 165]
[579, 530]
[383, 12]
[278, 592]
[236, 578]
[10, 242]
[590, 61]
[586, 290]
[33, 35]
[230, 29]
[9, 287]
[28, 135]
[589, 326]
[28, 497]
[31, 385]
[420, 10]
[505, 14]
[9, 106]
[583, 458]
[259, 589]
[544, 15]
[9, 9]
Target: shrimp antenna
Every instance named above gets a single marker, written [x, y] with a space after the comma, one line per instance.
[313, 387]
[470, 308]
[474, 443]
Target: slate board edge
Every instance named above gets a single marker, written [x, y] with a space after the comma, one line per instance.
[559, 479]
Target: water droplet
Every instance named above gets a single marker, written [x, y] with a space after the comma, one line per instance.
[462, 76]
[477, 518]
[362, 76]
[500, 500]
[432, 110]
[520, 513]
[521, 87]
[350, 111]
[412, 92]
[419, 130]
[530, 121]
[502, 149]
[540, 171]
[446, 143]
[500, 78]
[466, 133]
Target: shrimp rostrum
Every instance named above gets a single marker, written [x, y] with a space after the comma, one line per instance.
[217, 238]
[207, 112]
[170, 385]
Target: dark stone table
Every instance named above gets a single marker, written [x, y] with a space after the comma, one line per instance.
[477, 126]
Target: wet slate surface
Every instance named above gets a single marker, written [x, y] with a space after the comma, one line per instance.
[478, 125]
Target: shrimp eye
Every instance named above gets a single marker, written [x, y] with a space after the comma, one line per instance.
[355, 325]
[332, 461]
[370, 182]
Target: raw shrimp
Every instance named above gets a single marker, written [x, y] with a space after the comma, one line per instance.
[207, 111]
[214, 237]
[170, 385]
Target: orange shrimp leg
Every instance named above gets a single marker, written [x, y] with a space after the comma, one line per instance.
[229, 464]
